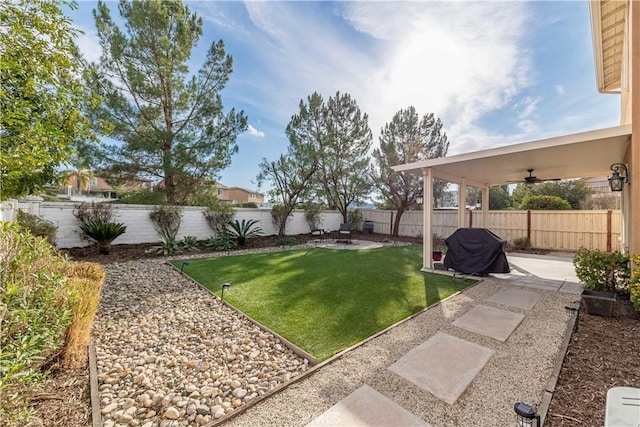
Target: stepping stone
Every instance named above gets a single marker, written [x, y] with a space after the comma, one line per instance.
[489, 321]
[516, 298]
[367, 407]
[443, 365]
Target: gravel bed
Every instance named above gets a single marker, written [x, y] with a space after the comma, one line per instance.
[170, 354]
[518, 371]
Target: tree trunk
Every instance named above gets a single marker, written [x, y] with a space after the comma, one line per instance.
[396, 222]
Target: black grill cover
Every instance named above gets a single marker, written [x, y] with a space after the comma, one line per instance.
[476, 251]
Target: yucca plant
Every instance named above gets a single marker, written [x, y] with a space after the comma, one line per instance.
[189, 243]
[243, 230]
[103, 233]
[222, 243]
[169, 246]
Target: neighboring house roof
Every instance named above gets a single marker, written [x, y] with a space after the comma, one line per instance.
[245, 190]
[609, 23]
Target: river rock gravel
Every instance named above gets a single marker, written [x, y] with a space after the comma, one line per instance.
[169, 353]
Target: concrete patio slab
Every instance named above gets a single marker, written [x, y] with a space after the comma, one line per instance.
[544, 266]
[353, 245]
[525, 300]
[489, 321]
[443, 365]
[366, 407]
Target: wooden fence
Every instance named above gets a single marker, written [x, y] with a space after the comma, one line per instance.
[558, 230]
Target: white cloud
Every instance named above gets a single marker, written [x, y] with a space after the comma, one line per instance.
[560, 89]
[255, 132]
[89, 44]
[458, 60]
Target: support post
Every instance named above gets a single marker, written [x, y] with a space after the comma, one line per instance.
[427, 214]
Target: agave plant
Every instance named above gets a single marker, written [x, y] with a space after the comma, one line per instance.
[103, 233]
[243, 230]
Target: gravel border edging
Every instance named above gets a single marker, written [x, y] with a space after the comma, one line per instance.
[553, 379]
[96, 415]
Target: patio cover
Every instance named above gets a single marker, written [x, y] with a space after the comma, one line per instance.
[579, 155]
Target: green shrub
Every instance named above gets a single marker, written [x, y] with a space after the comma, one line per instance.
[38, 227]
[634, 283]
[218, 217]
[221, 243]
[278, 218]
[169, 246]
[141, 196]
[189, 243]
[166, 220]
[312, 213]
[541, 202]
[103, 233]
[521, 243]
[244, 230]
[34, 312]
[86, 212]
[603, 271]
[285, 241]
[355, 217]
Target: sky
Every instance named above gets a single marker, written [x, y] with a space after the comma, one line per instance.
[495, 73]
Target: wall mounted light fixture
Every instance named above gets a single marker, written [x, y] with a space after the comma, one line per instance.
[616, 181]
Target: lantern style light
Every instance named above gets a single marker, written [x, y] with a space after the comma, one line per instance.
[617, 181]
[526, 416]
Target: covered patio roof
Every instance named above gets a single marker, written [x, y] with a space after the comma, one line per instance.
[578, 155]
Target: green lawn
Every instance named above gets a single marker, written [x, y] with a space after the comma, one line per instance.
[325, 300]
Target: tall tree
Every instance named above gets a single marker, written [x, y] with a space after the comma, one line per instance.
[573, 191]
[499, 197]
[407, 138]
[292, 174]
[41, 94]
[171, 123]
[343, 154]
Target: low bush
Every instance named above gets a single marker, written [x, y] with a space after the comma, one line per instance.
[169, 246]
[521, 243]
[243, 230]
[634, 283]
[86, 212]
[166, 220]
[603, 271]
[35, 312]
[38, 227]
[103, 233]
[189, 243]
[84, 286]
[218, 216]
[221, 243]
[285, 241]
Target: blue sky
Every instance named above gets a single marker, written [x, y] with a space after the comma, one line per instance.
[496, 73]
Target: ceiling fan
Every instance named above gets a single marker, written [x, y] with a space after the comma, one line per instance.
[530, 180]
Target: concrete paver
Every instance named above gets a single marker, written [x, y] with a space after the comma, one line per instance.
[516, 298]
[489, 321]
[366, 407]
[443, 365]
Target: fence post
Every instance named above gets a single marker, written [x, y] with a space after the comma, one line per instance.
[609, 230]
[470, 218]
[529, 226]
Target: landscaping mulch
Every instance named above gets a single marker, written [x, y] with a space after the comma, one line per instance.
[604, 353]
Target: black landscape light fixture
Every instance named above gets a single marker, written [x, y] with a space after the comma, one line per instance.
[225, 286]
[616, 181]
[184, 264]
[526, 416]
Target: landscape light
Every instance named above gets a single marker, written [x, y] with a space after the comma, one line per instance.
[224, 286]
[526, 415]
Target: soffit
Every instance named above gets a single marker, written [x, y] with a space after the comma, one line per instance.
[571, 156]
